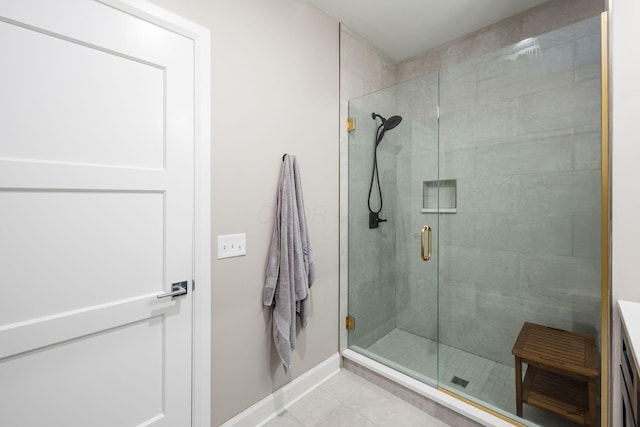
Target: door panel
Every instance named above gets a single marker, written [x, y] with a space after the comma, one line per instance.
[56, 78]
[84, 365]
[96, 217]
[54, 229]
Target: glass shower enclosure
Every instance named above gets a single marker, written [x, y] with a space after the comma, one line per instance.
[500, 157]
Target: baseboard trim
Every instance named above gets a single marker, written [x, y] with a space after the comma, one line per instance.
[272, 405]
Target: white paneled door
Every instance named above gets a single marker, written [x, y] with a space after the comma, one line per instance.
[96, 217]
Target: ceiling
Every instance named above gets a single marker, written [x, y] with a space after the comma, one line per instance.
[405, 28]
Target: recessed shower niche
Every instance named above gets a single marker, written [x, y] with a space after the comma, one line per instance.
[439, 196]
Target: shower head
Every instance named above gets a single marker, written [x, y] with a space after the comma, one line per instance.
[392, 122]
[387, 124]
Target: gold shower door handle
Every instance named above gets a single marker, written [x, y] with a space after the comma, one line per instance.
[428, 230]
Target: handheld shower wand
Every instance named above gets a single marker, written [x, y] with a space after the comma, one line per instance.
[387, 124]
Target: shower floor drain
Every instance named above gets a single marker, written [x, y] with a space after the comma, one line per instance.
[459, 381]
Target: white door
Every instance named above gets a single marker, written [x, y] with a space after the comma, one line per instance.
[96, 217]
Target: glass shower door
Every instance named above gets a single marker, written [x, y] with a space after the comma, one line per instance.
[520, 149]
[393, 291]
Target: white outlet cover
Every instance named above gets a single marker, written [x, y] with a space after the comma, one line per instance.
[232, 245]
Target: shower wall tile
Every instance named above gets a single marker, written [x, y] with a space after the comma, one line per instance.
[573, 32]
[529, 70]
[457, 163]
[480, 338]
[588, 64]
[489, 194]
[587, 154]
[480, 125]
[423, 167]
[424, 63]
[525, 233]
[558, 14]
[542, 19]
[496, 37]
[457, 299]
[424, 135]
[422, 319]
[496, 268]
[560, 276]
[574, 313]
[574, 105]
[586, 236]
[360, 59]
[459, 92]
[526, 155]
[561, 193]
[457, 229]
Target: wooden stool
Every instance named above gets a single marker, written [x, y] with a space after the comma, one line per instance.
[561, 372]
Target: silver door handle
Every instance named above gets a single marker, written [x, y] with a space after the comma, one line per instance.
[177, 289]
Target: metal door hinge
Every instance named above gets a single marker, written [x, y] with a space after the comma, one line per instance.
[351, 124]
[193, 285]
[350, 323]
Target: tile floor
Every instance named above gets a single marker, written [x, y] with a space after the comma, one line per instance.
[347, 399]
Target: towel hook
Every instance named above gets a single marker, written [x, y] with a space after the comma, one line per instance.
[283, 156]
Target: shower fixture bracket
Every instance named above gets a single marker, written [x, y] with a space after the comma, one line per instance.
[350, 323]
[351, 124]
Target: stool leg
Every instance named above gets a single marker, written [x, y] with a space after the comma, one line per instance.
[592, 403]
[518, 386]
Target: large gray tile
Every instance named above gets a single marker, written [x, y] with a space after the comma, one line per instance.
[386, 409]
[284, 419]
[458, 93]
[526, 233]
[343, 385]
[480, 125]
[561, 14]
[574, 105]
[562, 193]
[588, 148]
[587, 236]
[479, 266]
[343, 416]
[489, 194]
[588, 60]
[526, 155]
[457, 299]
[457, 229]
[457, 163]
[528, 70]
[561, 276]
[314, 406]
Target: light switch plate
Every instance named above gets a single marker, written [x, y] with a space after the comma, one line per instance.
[232, 245]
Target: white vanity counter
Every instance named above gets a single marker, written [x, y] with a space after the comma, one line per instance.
[630, 315]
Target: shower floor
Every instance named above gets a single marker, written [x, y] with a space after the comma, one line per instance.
[489, 382]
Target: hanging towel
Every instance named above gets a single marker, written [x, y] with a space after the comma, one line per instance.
[290, 266]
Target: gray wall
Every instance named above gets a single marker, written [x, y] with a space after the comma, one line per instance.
[274, 91]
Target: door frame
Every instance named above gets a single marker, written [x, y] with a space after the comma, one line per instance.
[201, 335]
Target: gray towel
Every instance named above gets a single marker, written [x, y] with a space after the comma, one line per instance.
[290, 266]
